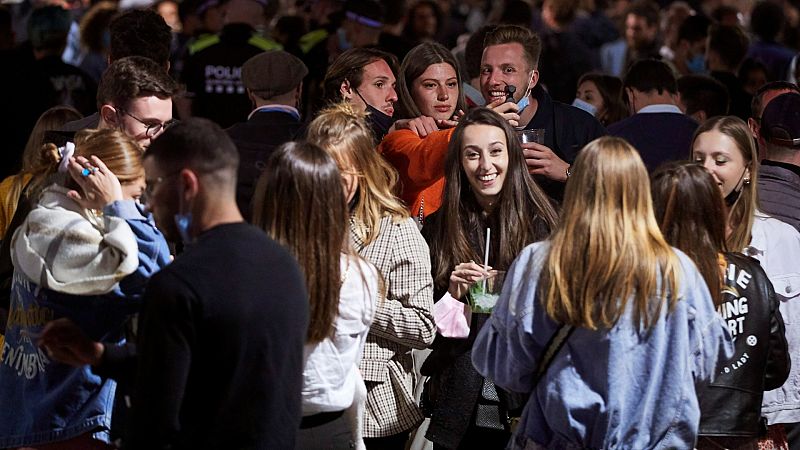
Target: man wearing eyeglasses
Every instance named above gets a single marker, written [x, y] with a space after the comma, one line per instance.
[135, 96]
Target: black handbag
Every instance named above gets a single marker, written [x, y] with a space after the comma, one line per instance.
[514, 402]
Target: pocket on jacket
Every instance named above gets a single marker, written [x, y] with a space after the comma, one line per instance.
[787, 287]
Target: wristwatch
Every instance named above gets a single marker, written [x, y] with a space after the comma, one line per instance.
[568, 171]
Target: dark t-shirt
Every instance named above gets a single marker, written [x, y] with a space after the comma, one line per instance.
[221, 347]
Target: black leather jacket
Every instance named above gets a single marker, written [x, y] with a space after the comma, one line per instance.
[731, 405]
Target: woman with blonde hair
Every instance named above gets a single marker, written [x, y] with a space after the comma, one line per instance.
[83, 254]
[300, 202]
[382, 233]
[725, 147]
[583, 312]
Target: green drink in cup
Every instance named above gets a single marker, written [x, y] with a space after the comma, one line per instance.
[483, 294]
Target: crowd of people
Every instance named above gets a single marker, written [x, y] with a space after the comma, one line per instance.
[381, 224]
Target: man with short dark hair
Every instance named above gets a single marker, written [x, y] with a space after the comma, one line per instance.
[274, 83]
[658, 129]
[779, 174]
[134, 33]
[701, 97]
[690, 51]
[140, 32]
[761, 99]
[726, 49]
[640, 40]
[221, 336]
[511, 58]
[135, 96]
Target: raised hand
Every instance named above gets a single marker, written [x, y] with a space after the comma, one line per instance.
[541, 160]
[99, 185]
[509, 110]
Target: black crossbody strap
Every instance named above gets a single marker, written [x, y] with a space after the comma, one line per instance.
[553, 347]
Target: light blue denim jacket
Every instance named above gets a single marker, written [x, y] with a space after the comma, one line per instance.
[620, 388]
[43, 401]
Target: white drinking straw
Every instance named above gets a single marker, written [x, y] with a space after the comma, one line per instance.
[486, 255]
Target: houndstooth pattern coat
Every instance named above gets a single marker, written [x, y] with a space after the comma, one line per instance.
[403, 321]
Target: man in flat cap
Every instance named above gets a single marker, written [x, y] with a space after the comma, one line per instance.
[274, 82]
[779, 174]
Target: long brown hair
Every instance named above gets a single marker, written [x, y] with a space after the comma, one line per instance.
[118, 151]
[523, 213]
[691, 214]
[413, 66]
[742, 212]
[299, 201]
[345, 135]
[608, 249]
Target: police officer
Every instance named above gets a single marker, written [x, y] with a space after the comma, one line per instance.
[212, 72]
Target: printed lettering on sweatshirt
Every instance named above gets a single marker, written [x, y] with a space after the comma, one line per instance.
[26, 318]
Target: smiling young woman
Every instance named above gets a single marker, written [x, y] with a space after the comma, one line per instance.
[486, 186]
[724, 146]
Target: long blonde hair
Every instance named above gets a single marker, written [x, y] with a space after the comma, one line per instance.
[742, 212]
[608, 248]
[345, 135]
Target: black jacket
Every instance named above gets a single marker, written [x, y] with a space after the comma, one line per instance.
[731, 405]
[567, 130]
[256, 140]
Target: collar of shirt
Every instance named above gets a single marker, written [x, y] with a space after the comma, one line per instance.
[277, 108]
[660, 109]
[783, 165]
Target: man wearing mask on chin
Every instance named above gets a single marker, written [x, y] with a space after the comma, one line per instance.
[509, 82]
[365, 78]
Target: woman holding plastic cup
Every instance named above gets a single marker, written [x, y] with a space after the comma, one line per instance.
[487, 186]
[634, 318]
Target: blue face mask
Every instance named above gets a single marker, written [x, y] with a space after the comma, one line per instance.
[525, 100]
[586, 106]
[183, 220]
[344, 44]
[697, 64]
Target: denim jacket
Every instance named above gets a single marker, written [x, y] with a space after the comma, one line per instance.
[776, 246]
[616, 388]
[43, 401]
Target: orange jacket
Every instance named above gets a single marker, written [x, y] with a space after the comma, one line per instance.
[420, 163]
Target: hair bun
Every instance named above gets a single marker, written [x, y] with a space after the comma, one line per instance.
[50, 154]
